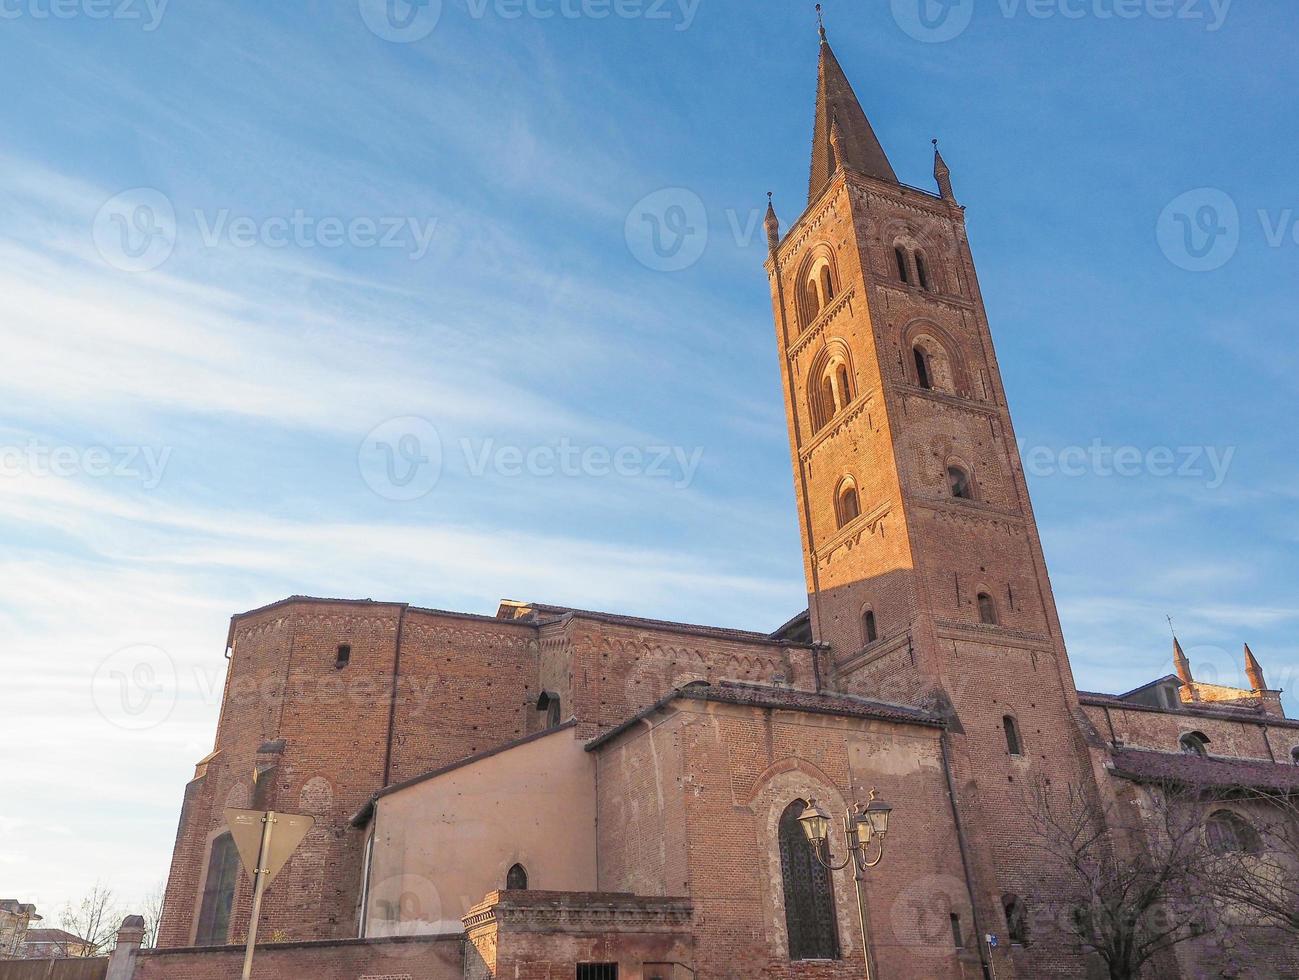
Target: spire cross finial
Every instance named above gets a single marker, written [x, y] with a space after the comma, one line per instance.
[1171, 627]
[821, 21]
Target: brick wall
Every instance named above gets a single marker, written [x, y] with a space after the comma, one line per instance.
[375, 959]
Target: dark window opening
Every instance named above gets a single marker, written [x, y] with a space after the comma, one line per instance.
[344, 656]
[922, 369]
[218, 893]
[1294, 755]
[1228, 832]
[827, 396]
[849, 505]
[516, 879]
[845, 387]
[1014, 744]
[959, 481]
[869, 632]
[904, 273]
[813, 301]
[809, 898]
[922, 271]
[958, 938]
[827, 285]
[1194, 743]
[597, 971]
[987, 610]
[1016, 919]
[549, 703]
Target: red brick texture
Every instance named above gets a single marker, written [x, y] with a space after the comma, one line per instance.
[375, 959]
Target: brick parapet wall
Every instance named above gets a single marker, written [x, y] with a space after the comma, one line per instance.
[413, 958]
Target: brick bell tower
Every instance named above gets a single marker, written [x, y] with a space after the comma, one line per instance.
[925, 573]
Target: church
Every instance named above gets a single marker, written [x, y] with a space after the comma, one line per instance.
[557, 792]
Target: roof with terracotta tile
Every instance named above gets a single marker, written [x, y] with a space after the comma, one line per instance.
[1211, 772]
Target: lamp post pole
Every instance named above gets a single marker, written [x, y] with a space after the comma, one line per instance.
[862, 824]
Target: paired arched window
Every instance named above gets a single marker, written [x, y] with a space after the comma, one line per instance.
[1014, 744]
[847, 503]
[958, 481]
[830, 383]
[820, 287]
[909, 258]
[987, 609]
[1227, 832]
[1194, 743]
[516, 879]
[932, 365]
[1016, 919]
[218, 893]
[809, 895]
[869, 631]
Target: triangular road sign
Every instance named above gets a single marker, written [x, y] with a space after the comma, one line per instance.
[287, 832]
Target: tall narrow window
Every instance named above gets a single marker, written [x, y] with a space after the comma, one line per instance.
[809, 900]
[849, 504]
[958, 935]
[1016, 919]
[922, 271]
[218, 892]
[868, 631]
[516, 879]
[959, 481]
[845, 386]
[904, 273]
[922, 368]
[827, 397]
[343, 657]
[1014, 744]
[987, 610]
[813, 301]
[827, 285]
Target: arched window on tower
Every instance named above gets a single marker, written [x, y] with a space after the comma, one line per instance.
[827, 285]
[218, 893]
[844, 386]
[987, 610]
[1227, 832]
[904, 271]
[1194, 743]
[809, 896]
[516, 879]
[922, 367]
[869, 631]
[922, 271]
[813, 300]
[848, 504]
[1014, 744]
[958, 479]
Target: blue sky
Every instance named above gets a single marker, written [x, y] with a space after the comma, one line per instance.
[206, 435]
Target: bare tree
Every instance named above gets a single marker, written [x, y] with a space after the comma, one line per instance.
[1253, 870]
[94, 918]
[1127, 875]
[153, 914]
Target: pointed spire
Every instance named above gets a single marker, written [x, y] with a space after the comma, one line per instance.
[773, 225]
[1181, 664]
[1253, 671]
[943, 175]
[842, 136]
[821, 21]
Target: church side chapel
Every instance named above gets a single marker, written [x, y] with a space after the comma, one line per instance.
[557, 792]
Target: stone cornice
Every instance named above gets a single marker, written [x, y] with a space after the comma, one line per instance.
[958, 304]
[1004, 636]
[971, 510]
[988, 409]
[838, 423]
[854, 529]
[580, 913]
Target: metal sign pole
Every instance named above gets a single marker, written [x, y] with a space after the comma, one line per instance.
[259, 886]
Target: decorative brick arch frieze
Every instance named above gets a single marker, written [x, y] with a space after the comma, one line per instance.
[783, 782]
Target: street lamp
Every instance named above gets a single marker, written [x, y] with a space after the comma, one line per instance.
[865, 827]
